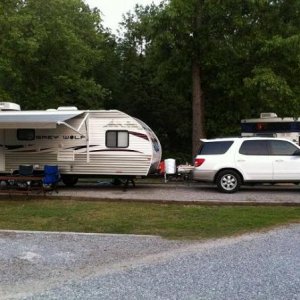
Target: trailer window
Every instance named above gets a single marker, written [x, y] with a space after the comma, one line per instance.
[26, 134]
[117, 139]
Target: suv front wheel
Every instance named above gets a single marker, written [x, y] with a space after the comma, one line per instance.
[228, 181]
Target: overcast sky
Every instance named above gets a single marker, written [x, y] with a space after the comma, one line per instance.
[112, 10]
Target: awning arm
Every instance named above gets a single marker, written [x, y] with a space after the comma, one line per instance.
[83, 121]
[69, 126]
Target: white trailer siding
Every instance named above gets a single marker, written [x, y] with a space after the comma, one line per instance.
[134, 160]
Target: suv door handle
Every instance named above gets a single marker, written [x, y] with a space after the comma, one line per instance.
[279, 160]
[241, 160]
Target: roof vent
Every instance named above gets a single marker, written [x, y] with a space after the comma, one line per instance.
[67, 108]
[268, 115]
[9, 106]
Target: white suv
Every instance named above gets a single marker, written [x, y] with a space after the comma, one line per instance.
[231, 162]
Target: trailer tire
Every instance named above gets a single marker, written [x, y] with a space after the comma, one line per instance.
[69, 180]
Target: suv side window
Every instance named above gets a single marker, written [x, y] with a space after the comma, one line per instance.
[255, 147]
[213, 148]
[282, 148]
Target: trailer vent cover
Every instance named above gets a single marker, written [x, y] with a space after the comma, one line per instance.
[268, 115]
[9, 106]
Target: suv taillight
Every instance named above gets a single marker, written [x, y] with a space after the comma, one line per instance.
[198, 162]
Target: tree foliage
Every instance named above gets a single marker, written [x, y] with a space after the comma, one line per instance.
[48, 50]
[245, 54]
[248, 53]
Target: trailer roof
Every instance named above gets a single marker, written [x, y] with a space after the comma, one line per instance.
[35, 119]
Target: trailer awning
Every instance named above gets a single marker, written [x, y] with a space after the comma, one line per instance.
[35, 119]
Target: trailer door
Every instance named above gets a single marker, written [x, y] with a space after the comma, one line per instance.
[2, 157]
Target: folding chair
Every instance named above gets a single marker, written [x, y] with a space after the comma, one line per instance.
[24, 170]
[51, 178]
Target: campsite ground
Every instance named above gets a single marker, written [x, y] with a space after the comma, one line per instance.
[265, 264]
[262, 265]
[187, 192]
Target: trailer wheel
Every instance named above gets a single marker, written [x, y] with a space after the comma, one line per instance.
[69, 180]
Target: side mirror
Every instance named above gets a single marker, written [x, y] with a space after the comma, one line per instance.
[297, 152]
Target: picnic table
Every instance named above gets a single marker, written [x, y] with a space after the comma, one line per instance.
[20, 184]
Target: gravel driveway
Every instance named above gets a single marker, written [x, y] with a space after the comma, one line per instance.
[193, 193]
[94, 266]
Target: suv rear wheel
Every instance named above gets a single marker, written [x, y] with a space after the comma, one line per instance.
[228, 181]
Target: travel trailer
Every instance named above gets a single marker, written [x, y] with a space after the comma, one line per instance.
[83, 143]
[270, 125]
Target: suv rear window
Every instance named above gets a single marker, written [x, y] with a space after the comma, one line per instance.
[212, 148]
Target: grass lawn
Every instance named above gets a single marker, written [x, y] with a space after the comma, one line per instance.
[167, 220]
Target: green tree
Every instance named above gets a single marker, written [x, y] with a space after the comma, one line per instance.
[48, 50]
[231, 60]
[273, 80]
[153, 83]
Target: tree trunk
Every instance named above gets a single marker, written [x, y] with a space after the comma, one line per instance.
[198, 108]
[198, 102]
